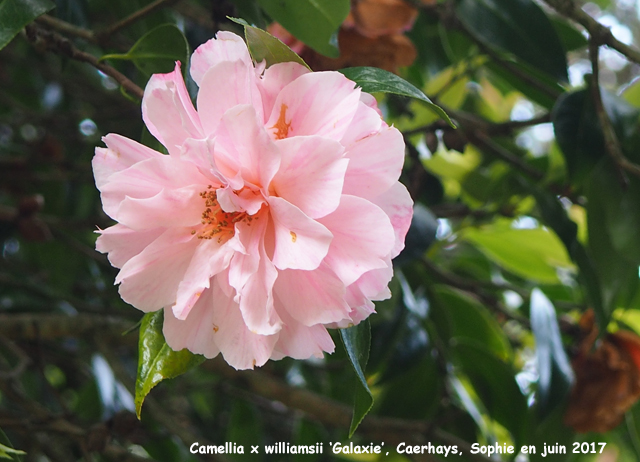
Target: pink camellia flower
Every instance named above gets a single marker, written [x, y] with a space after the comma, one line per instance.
[275, 214]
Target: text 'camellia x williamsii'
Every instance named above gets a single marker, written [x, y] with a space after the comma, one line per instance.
[275, 215]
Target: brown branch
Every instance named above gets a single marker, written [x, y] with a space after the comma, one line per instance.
[323, 409]
[602, 34]
[612, 145]
[134, 17]
[479, 138]
[478, 288]
[54, 42]
[67, 28]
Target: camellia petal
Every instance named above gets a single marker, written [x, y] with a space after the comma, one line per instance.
[300, 242]
[318, 103]
[226, 47]
[311, 174]
[274, 217]
[168, 112]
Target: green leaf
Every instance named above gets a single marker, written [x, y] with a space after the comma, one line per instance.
[578, 132]
[468, 319]
[6, 451]
[611, 216]
[571, 38]
[315, 22]
[530, 253]
[264, 46]
[157, 51]
[156, 360]
[372, 79]
[554, 370]
[519, 27]
[494, 382]
[15, 14]
[357, 342]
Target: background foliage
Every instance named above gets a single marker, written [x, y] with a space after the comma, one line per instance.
[526, 216]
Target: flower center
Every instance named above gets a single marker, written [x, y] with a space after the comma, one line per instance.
[281, 126]
[216, 223]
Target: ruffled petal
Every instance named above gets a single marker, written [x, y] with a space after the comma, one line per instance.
[243, 144]
[375, 164]
[149, 281]
[366, 122]
[299, 341]
[122, 243]
[168, 112]
[398, 205]
[227, 46]
[120, 154]
[275, 78]
[362, 238]
[181, 207]
[312, 297]
[252, 275]
[240, 347]
[209, 259]
[311, 174]
[318, 103]
[147, 178]
[300, 242]
[196, 331]
[228, 84]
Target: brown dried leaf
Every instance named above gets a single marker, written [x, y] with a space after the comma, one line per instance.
[607, 380]
[388, 52]
[373, 18]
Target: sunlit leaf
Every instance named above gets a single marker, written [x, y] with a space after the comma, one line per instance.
[264, 46]
[156, 360]
[530, 253]
[554, 370]
[357, 342]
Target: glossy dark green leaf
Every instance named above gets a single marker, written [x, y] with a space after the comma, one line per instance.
[372, 80]
[357, 342]
[519, 27]
[555, 216]
[469, 320]
[611, 216]
[539, 87]
[553, 382]
[264, 46]
[15, 14]
[156, 360]
[157, 51]
[571, 38]
[578, 132]
[494, 382]
[314, 22]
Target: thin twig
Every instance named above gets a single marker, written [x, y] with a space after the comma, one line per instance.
[479, 138]
[323, 409]
[612, 145]
[600, 33]
[478, 288]
[67, 28]
[134, 17]
[56, 43]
